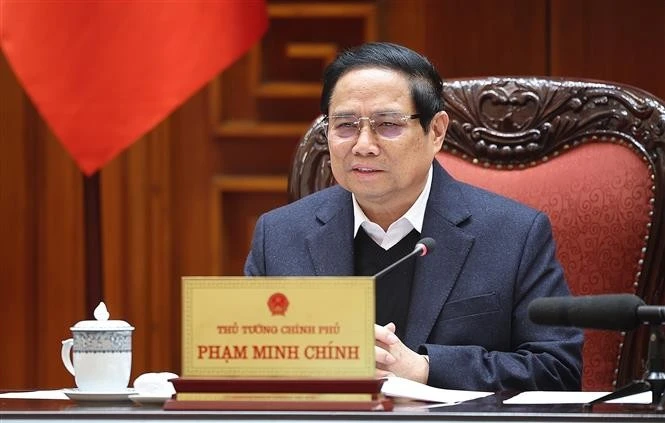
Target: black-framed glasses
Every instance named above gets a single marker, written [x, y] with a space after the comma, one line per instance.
[387, 125]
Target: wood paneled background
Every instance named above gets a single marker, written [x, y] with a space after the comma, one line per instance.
[184, 198]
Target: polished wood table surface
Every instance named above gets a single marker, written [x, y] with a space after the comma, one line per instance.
[489, 409]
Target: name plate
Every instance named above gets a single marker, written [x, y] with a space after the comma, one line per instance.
[278, 327]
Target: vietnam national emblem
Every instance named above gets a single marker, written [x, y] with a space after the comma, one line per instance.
[278, 303]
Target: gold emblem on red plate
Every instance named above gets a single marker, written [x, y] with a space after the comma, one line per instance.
[278, 303]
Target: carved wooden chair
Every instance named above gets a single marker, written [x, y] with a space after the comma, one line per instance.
[589, 154]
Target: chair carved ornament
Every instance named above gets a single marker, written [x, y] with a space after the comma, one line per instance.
[588, 153]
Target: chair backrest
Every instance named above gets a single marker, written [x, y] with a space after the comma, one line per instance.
[590, 155]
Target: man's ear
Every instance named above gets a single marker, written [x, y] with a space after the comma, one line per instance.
[438, 127]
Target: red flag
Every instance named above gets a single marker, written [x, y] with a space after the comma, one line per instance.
[104, 72]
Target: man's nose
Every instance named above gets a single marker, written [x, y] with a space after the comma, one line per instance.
[366, 143]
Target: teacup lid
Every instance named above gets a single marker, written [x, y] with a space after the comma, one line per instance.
[102, 321]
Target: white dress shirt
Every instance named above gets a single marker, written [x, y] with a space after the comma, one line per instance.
[412, 219]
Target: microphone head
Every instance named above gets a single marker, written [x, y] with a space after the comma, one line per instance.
[426, 245]
[607, 311]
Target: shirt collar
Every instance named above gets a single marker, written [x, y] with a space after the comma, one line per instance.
[415, 215]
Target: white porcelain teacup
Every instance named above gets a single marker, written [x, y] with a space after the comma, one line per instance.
[99, 354]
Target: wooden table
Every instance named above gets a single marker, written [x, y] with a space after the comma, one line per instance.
[489, 409]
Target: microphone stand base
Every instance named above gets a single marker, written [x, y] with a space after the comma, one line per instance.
[635, 387]
[654, 380]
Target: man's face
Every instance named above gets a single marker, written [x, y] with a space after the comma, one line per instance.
[385, 174]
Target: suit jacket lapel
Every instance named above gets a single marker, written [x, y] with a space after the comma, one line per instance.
[437, 272]
[331, 249]
[331, 244]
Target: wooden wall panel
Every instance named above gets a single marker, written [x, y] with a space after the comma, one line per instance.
[42, 254]
[139, 286]
[232, 226]
[396, 16]
[60, 291]
[193, 163]
[472, 38]
[17, 235]
[487, 37]
[155, 221]
[613, 40]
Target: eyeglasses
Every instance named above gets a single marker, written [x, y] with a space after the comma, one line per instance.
[389, 125]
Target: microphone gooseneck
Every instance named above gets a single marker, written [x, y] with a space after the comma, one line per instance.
[422, 248]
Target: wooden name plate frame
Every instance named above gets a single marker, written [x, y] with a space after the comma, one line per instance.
[279, 394]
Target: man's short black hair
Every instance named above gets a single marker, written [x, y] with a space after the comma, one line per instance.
[425, 81]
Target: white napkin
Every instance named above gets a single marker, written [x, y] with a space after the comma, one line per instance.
[155, 384]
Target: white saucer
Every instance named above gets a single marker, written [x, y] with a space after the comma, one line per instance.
[149, 399]
[79, 395]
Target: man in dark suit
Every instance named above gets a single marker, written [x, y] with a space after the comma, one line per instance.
[457, 317]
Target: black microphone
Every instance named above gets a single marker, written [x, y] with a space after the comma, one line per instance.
[606, 311]
[423, 247]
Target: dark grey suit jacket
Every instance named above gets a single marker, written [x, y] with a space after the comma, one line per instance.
[469, 301]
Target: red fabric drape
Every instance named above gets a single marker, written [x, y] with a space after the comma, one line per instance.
[102, 73]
